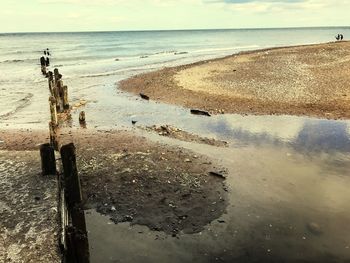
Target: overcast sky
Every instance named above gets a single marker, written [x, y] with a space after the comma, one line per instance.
[110, 15]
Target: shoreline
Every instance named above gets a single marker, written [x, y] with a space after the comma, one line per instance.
[241, 83]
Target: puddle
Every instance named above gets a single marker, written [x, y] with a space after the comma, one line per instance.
[288, 180]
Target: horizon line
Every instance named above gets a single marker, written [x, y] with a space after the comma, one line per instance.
[163, 30]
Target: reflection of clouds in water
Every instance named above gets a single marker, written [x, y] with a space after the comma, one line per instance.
[284, 128]
[302, 133]
[323, 135]
[257, 130]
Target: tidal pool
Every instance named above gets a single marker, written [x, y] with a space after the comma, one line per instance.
[288, 180]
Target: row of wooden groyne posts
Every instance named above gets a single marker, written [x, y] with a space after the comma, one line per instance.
[73, 235]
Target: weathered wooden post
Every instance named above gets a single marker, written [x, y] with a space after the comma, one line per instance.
[51, 82]
[53, 110]
[59, 86]
[43, 65]
[56, 73]
[77, 241]
[53, 135]
[48, 161]
[82, 117]
[65, 98]
[71, 177]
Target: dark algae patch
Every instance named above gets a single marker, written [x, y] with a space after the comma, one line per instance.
[167, 190]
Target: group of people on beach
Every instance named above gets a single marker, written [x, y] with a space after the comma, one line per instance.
[339, 37]
[44, 60]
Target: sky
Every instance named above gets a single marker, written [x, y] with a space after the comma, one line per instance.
[115, 15]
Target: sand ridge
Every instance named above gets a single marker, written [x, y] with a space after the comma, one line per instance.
[307, 80]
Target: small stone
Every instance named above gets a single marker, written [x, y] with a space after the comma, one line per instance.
[314, 228]
[187, 160]
[113, 208]
[128, 218]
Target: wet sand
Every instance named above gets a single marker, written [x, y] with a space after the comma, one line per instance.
[29, 229]
[131, 179]
[307, 80]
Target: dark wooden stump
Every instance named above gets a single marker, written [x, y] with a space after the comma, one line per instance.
[48, 161]
[77, 241]
[71, 177]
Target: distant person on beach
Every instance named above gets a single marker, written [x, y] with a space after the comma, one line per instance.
[48, 52]
[47, 62]
[341, 37]
[337, 37]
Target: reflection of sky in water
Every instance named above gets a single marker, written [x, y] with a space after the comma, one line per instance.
[323, 136]
[303, 134]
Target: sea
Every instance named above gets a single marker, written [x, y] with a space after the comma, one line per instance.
[92, 63]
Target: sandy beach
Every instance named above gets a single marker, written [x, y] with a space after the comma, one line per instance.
[309, 80]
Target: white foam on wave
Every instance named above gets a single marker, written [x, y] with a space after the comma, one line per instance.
[233, 48]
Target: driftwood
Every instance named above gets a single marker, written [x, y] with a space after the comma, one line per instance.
[217, 175]
[143, 96]
[200, 112]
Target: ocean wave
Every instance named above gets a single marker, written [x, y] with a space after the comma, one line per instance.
[13, 61]
[22, 103]
[114, 72]
[225, 48]
[151, 54]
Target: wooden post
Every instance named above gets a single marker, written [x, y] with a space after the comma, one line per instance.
[59, 86]
[51, 82]
[65, 98]
[71, 177]
[53, 135]
[43, 65]
[77, 241]
[43, 70]
[56, 73]
[53, 110]
[57, 97]
[48, 161]
[77, 252]
[82, 117]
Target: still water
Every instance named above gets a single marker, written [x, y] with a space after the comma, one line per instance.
[288, 180]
